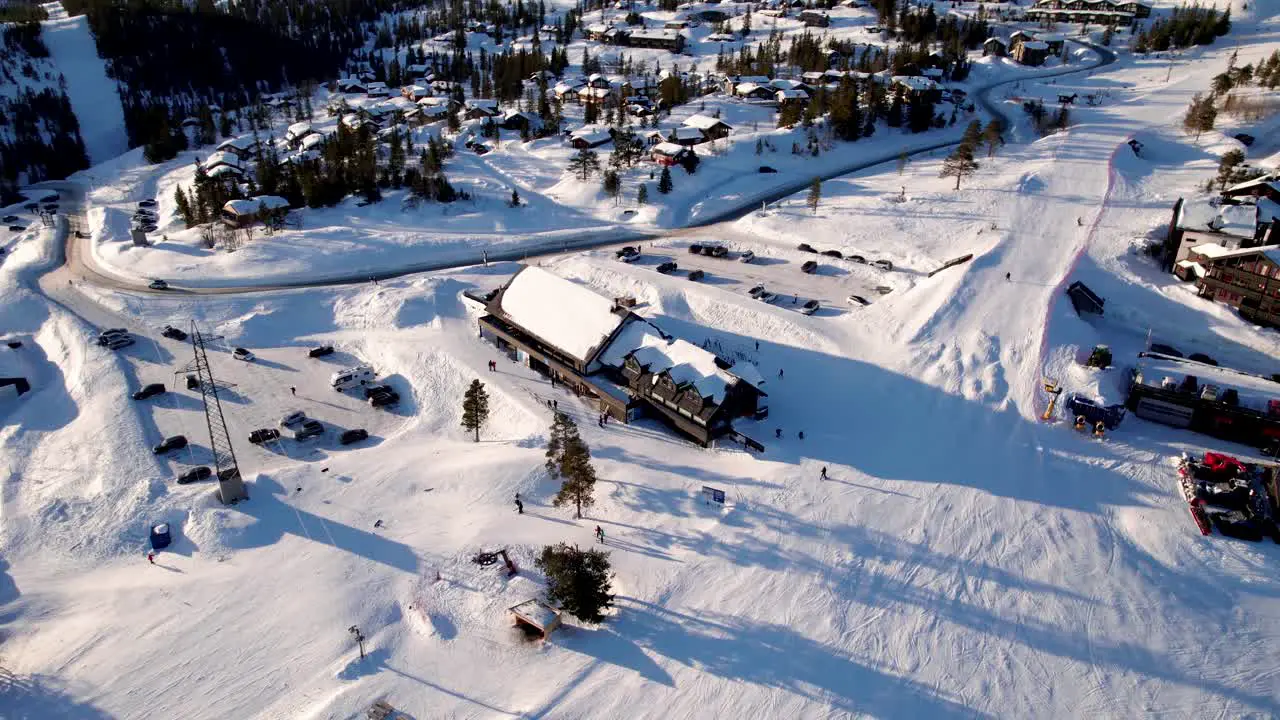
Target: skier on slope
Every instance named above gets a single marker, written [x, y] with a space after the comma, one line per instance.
[599, 534]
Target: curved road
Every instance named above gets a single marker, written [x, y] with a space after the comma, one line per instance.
[79, 262]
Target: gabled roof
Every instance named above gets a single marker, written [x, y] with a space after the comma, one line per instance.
[245, 206]
[562, 313]
[669, 149]
[1214, 251]
[704, 122]
[685, 362]
[687, 133]
[593, 134]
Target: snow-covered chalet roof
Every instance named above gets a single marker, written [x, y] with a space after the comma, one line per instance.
[1214, 251]
[669, 149]
[703, 122]
[684, 361]
[560, 312]
[1035, 45]
[914, 82]
[593, 134]
[247, 206]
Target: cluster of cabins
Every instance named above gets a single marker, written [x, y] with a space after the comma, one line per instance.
[762, 90]
[1027, 48]
[1230, 247]
[1102, 12]
[664, 38]
[666, 147]
[627, 365]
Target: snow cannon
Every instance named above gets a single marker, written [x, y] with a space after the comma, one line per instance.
[160, 536]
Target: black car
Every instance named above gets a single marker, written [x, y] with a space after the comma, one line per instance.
[17, 228]
[321, 351]
[1165, 350]
[809, 267]
[194, 474]
[858, 259]
[805, 247]
[353, 436]
[177, 442]
[10, 218]
[883, 264]
[383, 399]
[834, 253]
[667, 267]
[1202, 358]
[261, 435]
[766, 169]
[696, 275]
[717, 251]
[371, 390]
[173, 333]
[149, 391]
[147, 203]
[310, 428]
[695, 249]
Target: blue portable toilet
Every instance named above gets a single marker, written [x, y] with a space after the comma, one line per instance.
[160, 537]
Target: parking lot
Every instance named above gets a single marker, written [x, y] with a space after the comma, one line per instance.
[779, 271]
[256, 394]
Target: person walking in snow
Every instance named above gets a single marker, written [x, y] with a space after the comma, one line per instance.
[780, 373]
[1079, 222]
[1008, 276]
[777, 433]
[519, 505]
[801, 434]
[599, 534]
[293, 390]
[824, 472]
[151, 557]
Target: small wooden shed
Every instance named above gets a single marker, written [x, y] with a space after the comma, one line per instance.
[536, 617]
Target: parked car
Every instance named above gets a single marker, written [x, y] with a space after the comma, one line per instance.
[353, 436]
[383, 399]
[718, 251]
[371, 390]
[765, 169]
[320, 351]
[695, 249]
[696, 275]
[858, 259]
[10, 219]
[627, 254]
[747, 257]
[149, 391]
[810, 266]
[158, 284]
[667, 267]
[242, 354]
[195, 474]
[297, 417]
[117, 342]
[479, 149]
[759, 293]
[177, 442]
[148, 203]
[883, 264]
[806, 247]
[858, 300]
[261, 435]
[809, 307]
[833, 253]
[173, 333]
[17, 228]
[107, 336]
[1202, 358]
[309, 428]
[1163, 349]
[351, 378]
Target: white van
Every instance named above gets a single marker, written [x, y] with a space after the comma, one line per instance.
[351, 377]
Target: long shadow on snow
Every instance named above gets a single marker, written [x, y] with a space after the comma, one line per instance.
[776, 656]
[276, 516]
[891, 426]
[377, 661]
[39, 696]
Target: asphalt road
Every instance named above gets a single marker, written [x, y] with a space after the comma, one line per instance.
[80, 265]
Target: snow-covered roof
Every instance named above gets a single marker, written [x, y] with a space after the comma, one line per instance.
[684, 361]
[481, 104]
[415, 89]
[792, 95]
[783, 84]
[297, 130]
[747, 88]
[1000, 40]
[1196, 268]
[687, 133]
[312, 140]
[758, 79]
[244, 142]
[1214, 251]
[540, 614]
[433, 102]
[565, 314]
[248, 206]
[703, 122]
[914, 82]
[1237, 220]
[221, 170]
[221, 158]
[655, 34]
[591, 133]
[563, 87]
[1257, 182]
[1035, 45]
[669, 149]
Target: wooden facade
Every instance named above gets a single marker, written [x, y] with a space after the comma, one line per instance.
[1250, 282]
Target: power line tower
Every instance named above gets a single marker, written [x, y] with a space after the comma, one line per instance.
[230, 486]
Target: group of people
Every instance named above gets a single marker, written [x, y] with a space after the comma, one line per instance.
[599, 532]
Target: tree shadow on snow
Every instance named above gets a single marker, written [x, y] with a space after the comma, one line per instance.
[40, 696]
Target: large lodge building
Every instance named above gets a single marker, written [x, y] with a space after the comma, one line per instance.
[627, 365]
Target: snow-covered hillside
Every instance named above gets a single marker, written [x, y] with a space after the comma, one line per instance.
[961, 558]
[93, 95]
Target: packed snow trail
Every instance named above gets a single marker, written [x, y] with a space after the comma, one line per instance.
[94, 97]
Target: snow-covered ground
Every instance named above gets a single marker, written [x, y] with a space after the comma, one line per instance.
[963, 559]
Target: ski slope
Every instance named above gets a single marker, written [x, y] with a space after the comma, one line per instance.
[962, 560]
[93, 95]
